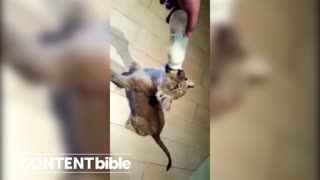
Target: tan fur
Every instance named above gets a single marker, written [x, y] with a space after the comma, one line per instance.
[149, 92]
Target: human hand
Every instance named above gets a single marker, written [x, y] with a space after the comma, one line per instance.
[192, 8]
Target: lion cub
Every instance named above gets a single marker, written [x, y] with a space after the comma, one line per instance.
[149, 92]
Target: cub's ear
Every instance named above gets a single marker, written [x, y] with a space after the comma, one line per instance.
[166, 104]
[181, 74]
[190, 83]
[167, 68]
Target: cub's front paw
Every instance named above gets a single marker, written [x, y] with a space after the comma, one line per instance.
[164, 100]
[166, 104]
[113, 75]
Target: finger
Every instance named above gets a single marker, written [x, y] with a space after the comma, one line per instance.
[192, 22]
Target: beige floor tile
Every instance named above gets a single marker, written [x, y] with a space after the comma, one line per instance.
[201, 140]
[143, 59]
[193, 71]
[121, 92]
[159, 9]
[200, 37]
[152, 22]
[199, 95]
[202, 117]
[116, 62]
[179, 153]
[136, 170]
[188, 133]
[119, 51]
[112, 87]
[122, 26]
[123, 53]
[116, 52]
[146, 3]
[206, 79]
[155, 172]
[197, 157]
[184, 109]
[152, 45]
[124, 6]
[142, 15]
[119, 109]
[125, 141]
[178, 130]
[197, 55]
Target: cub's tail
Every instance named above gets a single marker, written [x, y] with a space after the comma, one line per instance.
[164, 148]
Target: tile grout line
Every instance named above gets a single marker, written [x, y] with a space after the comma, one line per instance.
[175, 141]
[168, 139]
[187, 145]
[150, 3]
[137, 48]
[141, 26]
[195, 114]
[155, 59]
[181, 168]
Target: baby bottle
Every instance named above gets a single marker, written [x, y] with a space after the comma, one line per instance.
[178, 39]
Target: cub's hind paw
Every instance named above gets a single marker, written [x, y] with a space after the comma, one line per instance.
[113, 75]
[129, 125]
[134, 66]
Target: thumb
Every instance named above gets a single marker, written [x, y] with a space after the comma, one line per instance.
[192, 22]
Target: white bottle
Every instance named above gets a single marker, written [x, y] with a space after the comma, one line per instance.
[178, 39]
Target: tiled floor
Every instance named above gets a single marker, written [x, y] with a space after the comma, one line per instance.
[140, 33]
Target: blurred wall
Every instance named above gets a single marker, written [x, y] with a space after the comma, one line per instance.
[272, 134]
[29, 122]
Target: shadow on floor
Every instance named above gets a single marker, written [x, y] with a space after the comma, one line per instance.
[122, 47]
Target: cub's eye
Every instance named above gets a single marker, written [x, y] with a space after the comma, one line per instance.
[171, 87]
[176, 86]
